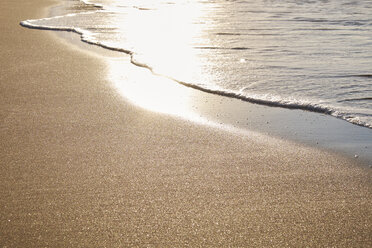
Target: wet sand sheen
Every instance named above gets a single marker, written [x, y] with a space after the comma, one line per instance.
[81, 167]
[160, 94]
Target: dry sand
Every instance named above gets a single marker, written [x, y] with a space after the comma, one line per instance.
[80, 167]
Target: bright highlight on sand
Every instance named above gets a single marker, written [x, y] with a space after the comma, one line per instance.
[152, 92]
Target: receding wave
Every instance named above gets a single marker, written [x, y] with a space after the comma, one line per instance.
[353, 75]
[221, 48]
[230, 34]
[88, 37]
[362, 75]
[357, 99]
[88, 3]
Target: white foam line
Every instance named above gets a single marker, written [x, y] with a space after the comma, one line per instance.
[88, 38]
[87, 2]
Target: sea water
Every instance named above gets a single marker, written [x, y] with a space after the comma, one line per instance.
[310, 54]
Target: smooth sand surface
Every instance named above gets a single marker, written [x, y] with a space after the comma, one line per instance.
[80, 167]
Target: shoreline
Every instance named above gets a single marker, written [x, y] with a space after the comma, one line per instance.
[306, 107]
[80, 166]
[318, 130]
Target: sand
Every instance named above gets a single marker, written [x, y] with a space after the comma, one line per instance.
[82, 167]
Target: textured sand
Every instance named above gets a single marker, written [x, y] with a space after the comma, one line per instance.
[80, 167]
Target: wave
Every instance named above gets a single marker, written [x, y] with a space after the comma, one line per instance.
[221, 48]
[88, 3]
[86, 36]
[357, 99]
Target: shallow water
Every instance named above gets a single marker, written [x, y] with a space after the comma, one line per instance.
[314, 55]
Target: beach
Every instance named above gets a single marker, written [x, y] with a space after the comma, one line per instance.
[80, 166]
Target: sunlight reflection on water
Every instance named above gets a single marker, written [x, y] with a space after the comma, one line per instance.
[286, 53]
[173, 34]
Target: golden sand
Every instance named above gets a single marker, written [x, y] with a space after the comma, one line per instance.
[80, 167]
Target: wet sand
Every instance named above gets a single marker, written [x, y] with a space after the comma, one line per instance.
[82, 167]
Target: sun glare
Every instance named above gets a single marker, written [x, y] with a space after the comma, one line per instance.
[149, 91]
[163, 37]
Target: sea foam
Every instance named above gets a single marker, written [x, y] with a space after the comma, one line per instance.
[289, 60]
